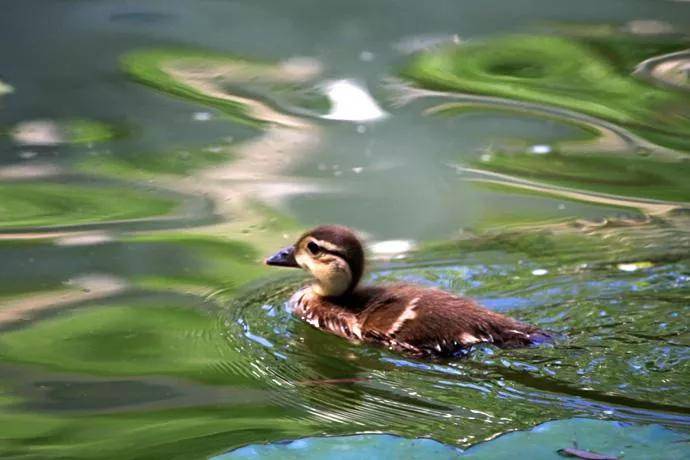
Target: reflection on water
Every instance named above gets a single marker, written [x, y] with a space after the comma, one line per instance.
[538, 166]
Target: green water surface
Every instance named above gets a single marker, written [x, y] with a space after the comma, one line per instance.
[532, 155]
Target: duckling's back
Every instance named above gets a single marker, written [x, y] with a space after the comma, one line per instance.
[427, 321]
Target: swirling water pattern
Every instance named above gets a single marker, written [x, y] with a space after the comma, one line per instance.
[536, 164]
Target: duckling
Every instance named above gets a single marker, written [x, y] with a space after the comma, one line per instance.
[410, 319]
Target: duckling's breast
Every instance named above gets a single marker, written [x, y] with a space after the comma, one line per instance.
[325, 315]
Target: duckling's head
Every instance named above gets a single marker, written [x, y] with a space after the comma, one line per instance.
[331, 253]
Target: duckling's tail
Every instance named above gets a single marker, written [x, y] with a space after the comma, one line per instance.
[540, 337]
[523, 335]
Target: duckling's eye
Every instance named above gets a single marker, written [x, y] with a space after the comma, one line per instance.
[313, 248]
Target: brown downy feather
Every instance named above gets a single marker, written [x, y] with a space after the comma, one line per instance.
[414, 319]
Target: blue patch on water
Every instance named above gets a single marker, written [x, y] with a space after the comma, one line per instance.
[356, 447]
[611, 438]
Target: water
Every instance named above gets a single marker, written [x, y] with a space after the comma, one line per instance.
[533, 156]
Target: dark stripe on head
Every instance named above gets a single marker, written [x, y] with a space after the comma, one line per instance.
[350, 248]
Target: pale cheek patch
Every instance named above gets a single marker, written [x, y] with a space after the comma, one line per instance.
[332, 274]
[303, 261]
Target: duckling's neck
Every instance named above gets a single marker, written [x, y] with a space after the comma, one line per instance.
[331, 280]
[331, 288]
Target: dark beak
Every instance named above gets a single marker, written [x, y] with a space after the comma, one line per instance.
[283, 258]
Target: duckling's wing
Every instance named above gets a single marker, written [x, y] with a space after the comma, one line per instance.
[437, 322]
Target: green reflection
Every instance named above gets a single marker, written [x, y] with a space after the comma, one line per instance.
[131, 165]
[586, 76]
[142, 338]
[54, 132]
[50, 204]
[213, 263]
[622, 328]
[153, 68]
[5, 88]
[82, 131]
[234, 85]
[612, 174]
[311, 383]
[192, 433]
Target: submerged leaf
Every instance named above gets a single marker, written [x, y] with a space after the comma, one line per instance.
[585, 454]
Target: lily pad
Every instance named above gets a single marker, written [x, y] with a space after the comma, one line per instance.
[603, 437]
[380, 446]
[613, 439]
